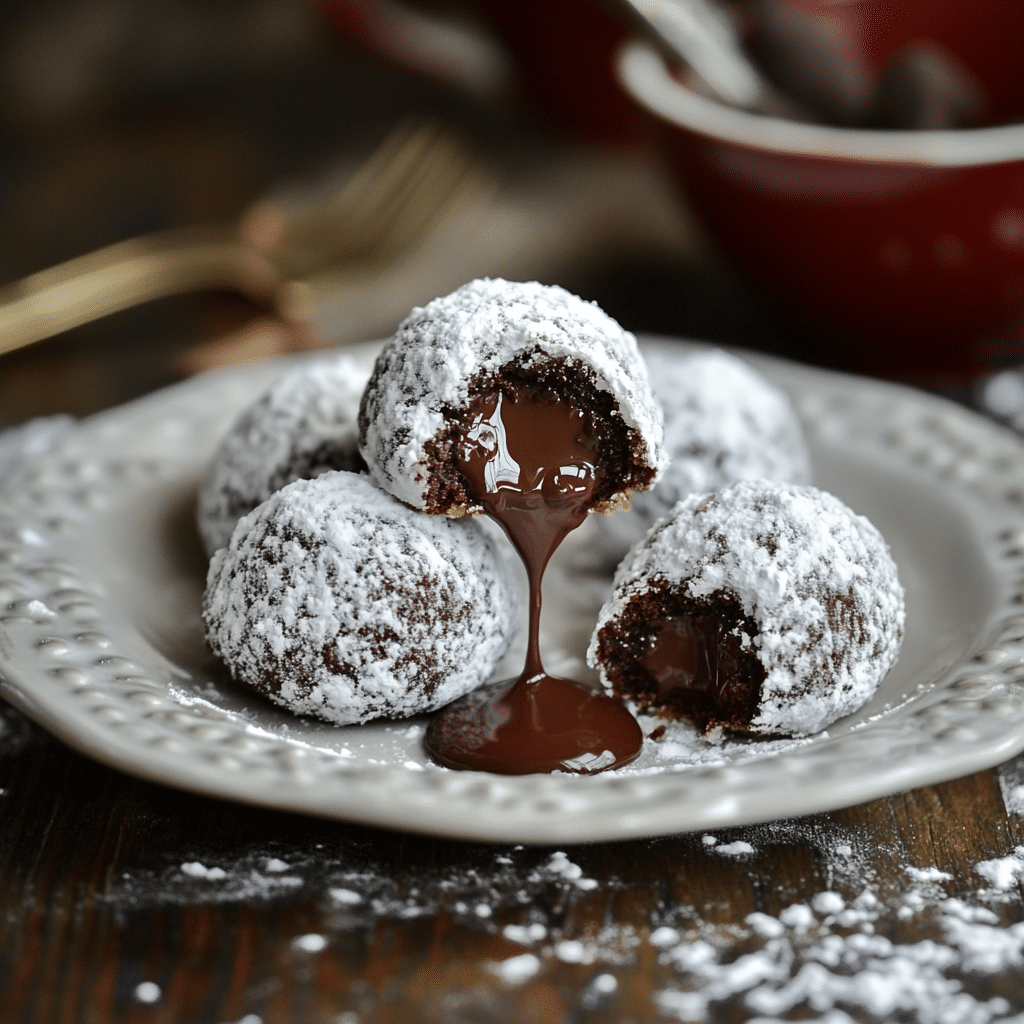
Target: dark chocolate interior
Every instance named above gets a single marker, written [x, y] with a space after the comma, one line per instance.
[684, 657]
[620, 448]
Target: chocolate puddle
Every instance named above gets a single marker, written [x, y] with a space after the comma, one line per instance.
[529, 458]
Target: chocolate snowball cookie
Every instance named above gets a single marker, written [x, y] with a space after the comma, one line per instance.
[723, 422]
[494, 337]
[304, 425]
[333, 599]
[766, 608]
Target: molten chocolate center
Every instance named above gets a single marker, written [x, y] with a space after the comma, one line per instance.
[685, 654]
[530, 459]
[697, 667]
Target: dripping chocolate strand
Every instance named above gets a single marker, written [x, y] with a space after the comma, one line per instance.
[530, 459]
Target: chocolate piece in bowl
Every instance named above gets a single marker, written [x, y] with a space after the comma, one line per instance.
[302, 426]
[766, 608]
[531, 405]
[333, 599]
[930, 262]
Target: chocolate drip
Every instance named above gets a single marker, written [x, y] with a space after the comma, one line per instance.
[530, 460]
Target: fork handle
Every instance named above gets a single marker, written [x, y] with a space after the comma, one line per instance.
[129, 273]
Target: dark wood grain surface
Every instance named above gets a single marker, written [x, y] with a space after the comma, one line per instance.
[95, 902]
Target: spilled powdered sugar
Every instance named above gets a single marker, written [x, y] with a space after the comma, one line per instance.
[825, 956]
[834, 956]
[245, 879]
[682, 746]
[825, 959]
[358, 891]
[1003, 873]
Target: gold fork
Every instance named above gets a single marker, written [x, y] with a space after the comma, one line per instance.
[379, 210]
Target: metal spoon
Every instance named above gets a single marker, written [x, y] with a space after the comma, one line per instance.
[701, 33]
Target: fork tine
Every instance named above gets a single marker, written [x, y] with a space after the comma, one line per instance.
[452, 174]
[126, 274]
[403, 185]
[388, 192]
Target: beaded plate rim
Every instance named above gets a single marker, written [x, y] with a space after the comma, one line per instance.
[74, 661]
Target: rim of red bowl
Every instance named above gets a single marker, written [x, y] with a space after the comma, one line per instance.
[645, 75]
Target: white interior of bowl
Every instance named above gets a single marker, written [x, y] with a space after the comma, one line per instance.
[646, 76]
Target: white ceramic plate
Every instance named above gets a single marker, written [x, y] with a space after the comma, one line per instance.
[101, 577]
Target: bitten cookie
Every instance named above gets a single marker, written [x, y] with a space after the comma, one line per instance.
[490, 336]
[724, 422]
[304, 425]
[335, 600]
[765, 608]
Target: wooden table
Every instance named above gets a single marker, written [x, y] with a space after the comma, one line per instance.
[316, 921]
[125, 901]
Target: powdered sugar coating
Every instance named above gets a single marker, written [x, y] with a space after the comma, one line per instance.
[816, 578]
[304, 425]
[336, 600]
[442, 348]
[724, 422]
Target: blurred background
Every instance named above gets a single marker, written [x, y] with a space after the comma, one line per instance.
[376, 153]
[123, 117]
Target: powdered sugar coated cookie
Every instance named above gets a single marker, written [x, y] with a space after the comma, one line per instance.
[724, 422]
[768, 608]
[459, 345]
[304, 425]
[335, 600]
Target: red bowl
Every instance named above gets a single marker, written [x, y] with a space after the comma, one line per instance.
[903, 251]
